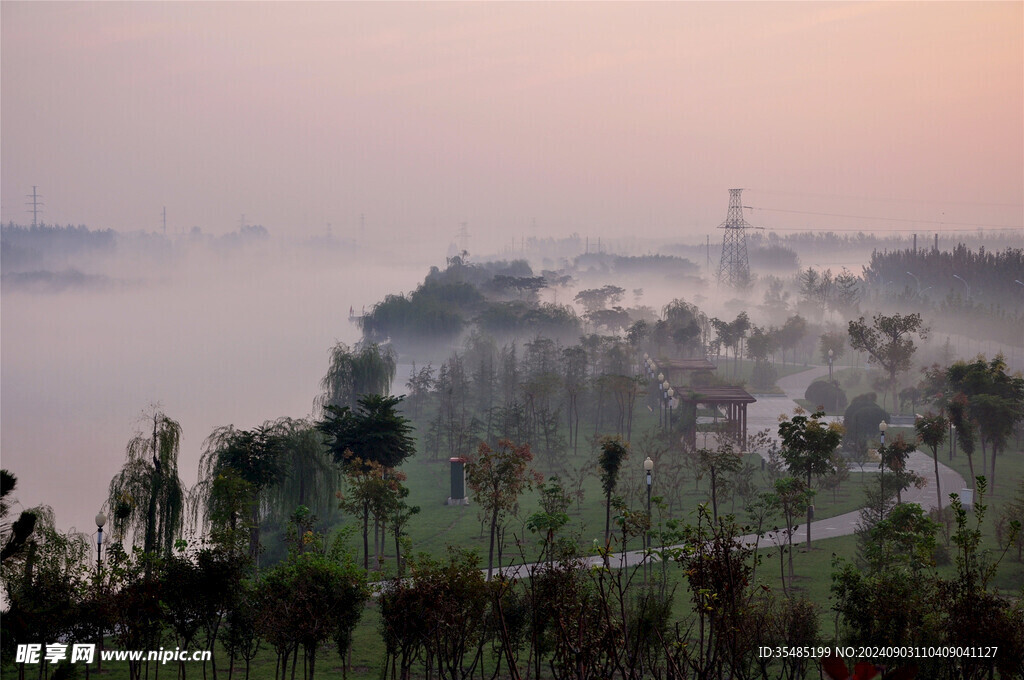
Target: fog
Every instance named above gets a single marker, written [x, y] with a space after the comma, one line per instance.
[214, 339]
[365, 135]
[236, 330]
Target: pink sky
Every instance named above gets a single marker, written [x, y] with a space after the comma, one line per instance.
[604, 119]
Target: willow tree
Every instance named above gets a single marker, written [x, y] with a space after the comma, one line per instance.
[236, 470]
[147, 498]
[311, 477]
[354, 373]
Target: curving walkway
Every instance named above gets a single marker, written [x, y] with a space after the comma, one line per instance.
[764, 414]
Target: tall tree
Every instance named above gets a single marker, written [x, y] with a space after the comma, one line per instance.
[807, 447]
[147, 498]
[614, 452]
[995, 401]
[374, 431]
[310, 475]
[790, 335]
[790, 497]
[373, 437]
[888, 342]
[716, 462]
[931, 431]
[237, 470]
[498, 477]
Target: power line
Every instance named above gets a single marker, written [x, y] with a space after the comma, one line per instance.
[885, 219]
[886, 200]
[885, 231]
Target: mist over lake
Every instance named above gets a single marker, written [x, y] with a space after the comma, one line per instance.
[215, 339]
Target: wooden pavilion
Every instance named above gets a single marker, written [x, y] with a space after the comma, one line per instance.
[732, 400]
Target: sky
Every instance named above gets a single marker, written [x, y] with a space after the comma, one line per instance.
[528, 119]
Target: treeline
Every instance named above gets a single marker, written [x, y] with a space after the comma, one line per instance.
[969, 291]
[22, 248]
[989, 275]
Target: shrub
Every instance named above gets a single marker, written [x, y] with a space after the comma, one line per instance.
[861, 420]
[825, 394]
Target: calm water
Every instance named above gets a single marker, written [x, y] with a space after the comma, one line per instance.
[215, 341]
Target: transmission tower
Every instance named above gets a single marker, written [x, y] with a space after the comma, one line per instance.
[734, 268]
[34, 203]
[463, 236]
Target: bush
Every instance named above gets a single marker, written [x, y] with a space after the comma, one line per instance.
[827, 395]
[861, 420]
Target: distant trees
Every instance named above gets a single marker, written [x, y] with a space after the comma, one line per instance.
[732, 333]
[889, 343]
[789, 336]
[595, 299]
[991, 273]
[356, 372]
[821, 290]
[688, 327]
[760, 344]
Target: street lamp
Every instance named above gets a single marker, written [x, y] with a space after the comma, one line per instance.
[664, 401]
[648, 468]
[956, 276]
[918, 283]
[952, 440]
[832, 382]
[100, 520]
[671, 395]
[882, 427]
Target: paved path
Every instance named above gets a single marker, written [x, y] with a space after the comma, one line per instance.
[764, 414]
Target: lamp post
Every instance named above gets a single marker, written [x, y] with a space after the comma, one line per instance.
[100, 519]
[952, 441]
[661, 401]
[831, 354]
[882, 427]
[918, 283]
[671, 394]
[664, 402]
[648, 468]
[955, 276]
